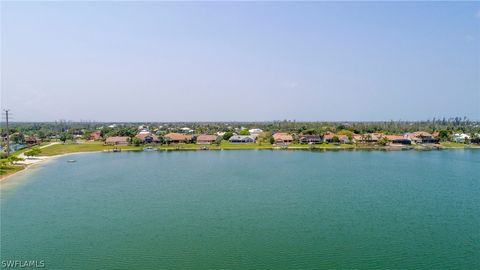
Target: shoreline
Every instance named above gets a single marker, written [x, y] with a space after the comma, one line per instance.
[43, 159]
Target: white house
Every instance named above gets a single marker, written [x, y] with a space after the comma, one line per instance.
[255, 131]
[460, 137]
[186, 130]
[241, 139]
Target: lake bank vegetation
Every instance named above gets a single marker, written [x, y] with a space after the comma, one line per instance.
[27, 140]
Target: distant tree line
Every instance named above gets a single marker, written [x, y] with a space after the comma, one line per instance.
[65, 130]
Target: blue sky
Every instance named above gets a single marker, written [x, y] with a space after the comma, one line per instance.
[242, 61]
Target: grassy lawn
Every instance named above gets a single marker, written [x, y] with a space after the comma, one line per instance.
[58, 149]
[453, 144]
[232, 146]
[321, 146]
[186, 146]
[9, 169]
[224, 145]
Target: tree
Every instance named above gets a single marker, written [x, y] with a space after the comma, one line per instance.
[244, 132]
[18, 138]
[383, 141]
[227, 135]
[63, 137]
[309, 132]
[41, 134]
[14, 159]
[335, 139]
[443, 135]
[33, 152]
[3, 162]
[136, 141]
[348, 133]
[86, 136]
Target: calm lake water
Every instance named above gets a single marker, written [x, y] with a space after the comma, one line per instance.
[247, 210]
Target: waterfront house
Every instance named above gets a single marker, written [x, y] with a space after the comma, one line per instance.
[460, 137]
[282, 138]
[310, 139]
[397, 139]
[178, 138]
[368, 137]
[96, 135]
[117, 140]
[329, 137]
[241, 139]
[255, 131]
[206, 139]
[343, 139]
[419, 137]
[32, 140]
[147, 137]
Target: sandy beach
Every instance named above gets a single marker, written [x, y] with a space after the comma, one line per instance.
[32, 162]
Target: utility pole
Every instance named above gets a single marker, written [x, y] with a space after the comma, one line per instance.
[8, 133]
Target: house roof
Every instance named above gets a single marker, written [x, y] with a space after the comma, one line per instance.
[178, 137]
[117, 139]
[309, 136]
[422, 134]
[368, 136]
[255, 130]
[205, 137]
[31, 138]
[461, 135]
[97, 134]
[394, 137]
[282, 137]
[241, 137]
[328, 135]
[142, 136]
[357, 136]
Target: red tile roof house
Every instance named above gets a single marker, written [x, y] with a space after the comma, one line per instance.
[310, 139]
[32, 140]
[117, 140]
[368, 137]
[397, 139]
[96, 135]
[178, 138]
[328, 137]
[206, 139]
[282, 138]
[420, 137]
[147, 138]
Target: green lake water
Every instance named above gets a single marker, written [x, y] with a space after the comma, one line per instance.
[247, 210]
